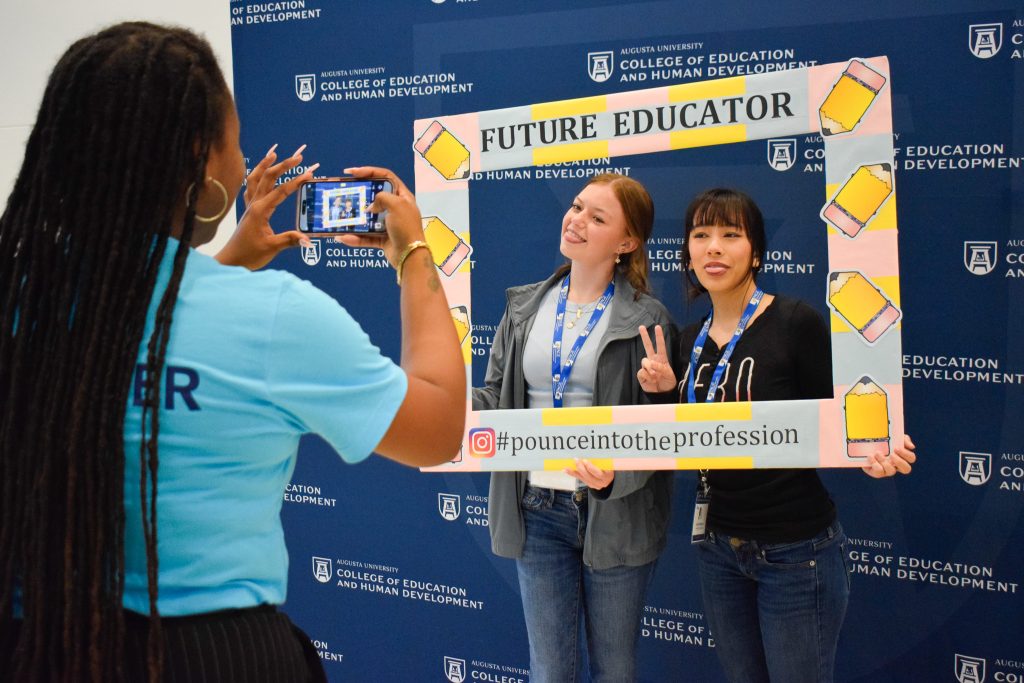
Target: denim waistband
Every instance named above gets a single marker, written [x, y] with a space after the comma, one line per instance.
[833, 529]
[578, 496]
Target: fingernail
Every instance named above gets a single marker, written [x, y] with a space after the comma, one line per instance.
[349, 170]
[305, 241]
[298, 151]
[313, 167]
[271, 150]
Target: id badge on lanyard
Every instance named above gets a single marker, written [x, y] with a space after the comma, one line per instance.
[699, 531]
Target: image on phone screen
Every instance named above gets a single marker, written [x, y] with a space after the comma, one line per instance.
[339, 206]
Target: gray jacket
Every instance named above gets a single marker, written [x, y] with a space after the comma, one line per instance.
[627, 521]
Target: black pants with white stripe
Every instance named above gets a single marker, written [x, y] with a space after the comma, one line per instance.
[255, 644]
[246, 645]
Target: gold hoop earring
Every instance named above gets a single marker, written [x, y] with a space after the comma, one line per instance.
[227, 201]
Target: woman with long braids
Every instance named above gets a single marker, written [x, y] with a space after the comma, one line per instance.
[152, 398]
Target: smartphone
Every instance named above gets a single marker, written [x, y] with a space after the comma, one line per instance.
[338, 206]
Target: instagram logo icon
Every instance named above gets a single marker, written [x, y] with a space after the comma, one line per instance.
[481, 442]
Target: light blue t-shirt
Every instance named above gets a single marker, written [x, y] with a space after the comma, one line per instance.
[254, 361]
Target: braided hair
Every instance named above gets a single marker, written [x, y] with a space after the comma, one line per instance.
[122, 136]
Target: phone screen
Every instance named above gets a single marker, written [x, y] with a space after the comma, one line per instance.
[338, 205]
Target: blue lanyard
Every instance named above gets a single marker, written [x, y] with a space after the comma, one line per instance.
[559, 373]
[723, 362]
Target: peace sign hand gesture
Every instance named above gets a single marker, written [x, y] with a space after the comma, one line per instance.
[655, 375]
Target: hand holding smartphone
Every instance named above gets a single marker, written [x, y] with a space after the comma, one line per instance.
[339, 206]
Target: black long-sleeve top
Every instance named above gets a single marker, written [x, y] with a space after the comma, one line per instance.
[784, 354]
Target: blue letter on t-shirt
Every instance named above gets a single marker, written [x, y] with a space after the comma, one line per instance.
[171, 387]
[192, 381]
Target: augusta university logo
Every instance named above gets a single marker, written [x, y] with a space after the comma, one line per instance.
[782, 153]
[600, 65]
[985, 40]
[980, 257]
[975, 468]
[322, 570]
[449, 505]
[455, 669]
[311, 253]
[305, 87]
[969, 669]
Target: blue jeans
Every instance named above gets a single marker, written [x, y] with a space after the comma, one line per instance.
[560, 593]
[775, 610]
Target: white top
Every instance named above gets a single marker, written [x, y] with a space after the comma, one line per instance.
[579, 390]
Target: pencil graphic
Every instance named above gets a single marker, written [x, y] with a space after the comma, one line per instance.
[460, 316]
[444, 152]
[849, 98]
[859, 200]
[861, 304]
[448, 248]
[867, 419]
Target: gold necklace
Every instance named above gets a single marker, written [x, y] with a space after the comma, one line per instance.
[572, 323]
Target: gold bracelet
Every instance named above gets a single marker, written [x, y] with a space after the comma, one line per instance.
[412, 246]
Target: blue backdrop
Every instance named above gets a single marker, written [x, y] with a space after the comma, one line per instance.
[393, 585]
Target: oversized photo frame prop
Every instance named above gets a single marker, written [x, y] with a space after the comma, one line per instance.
[849, 104]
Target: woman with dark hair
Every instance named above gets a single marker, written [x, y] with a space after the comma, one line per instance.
[585, 540]
[773, 565]
[153, 397]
